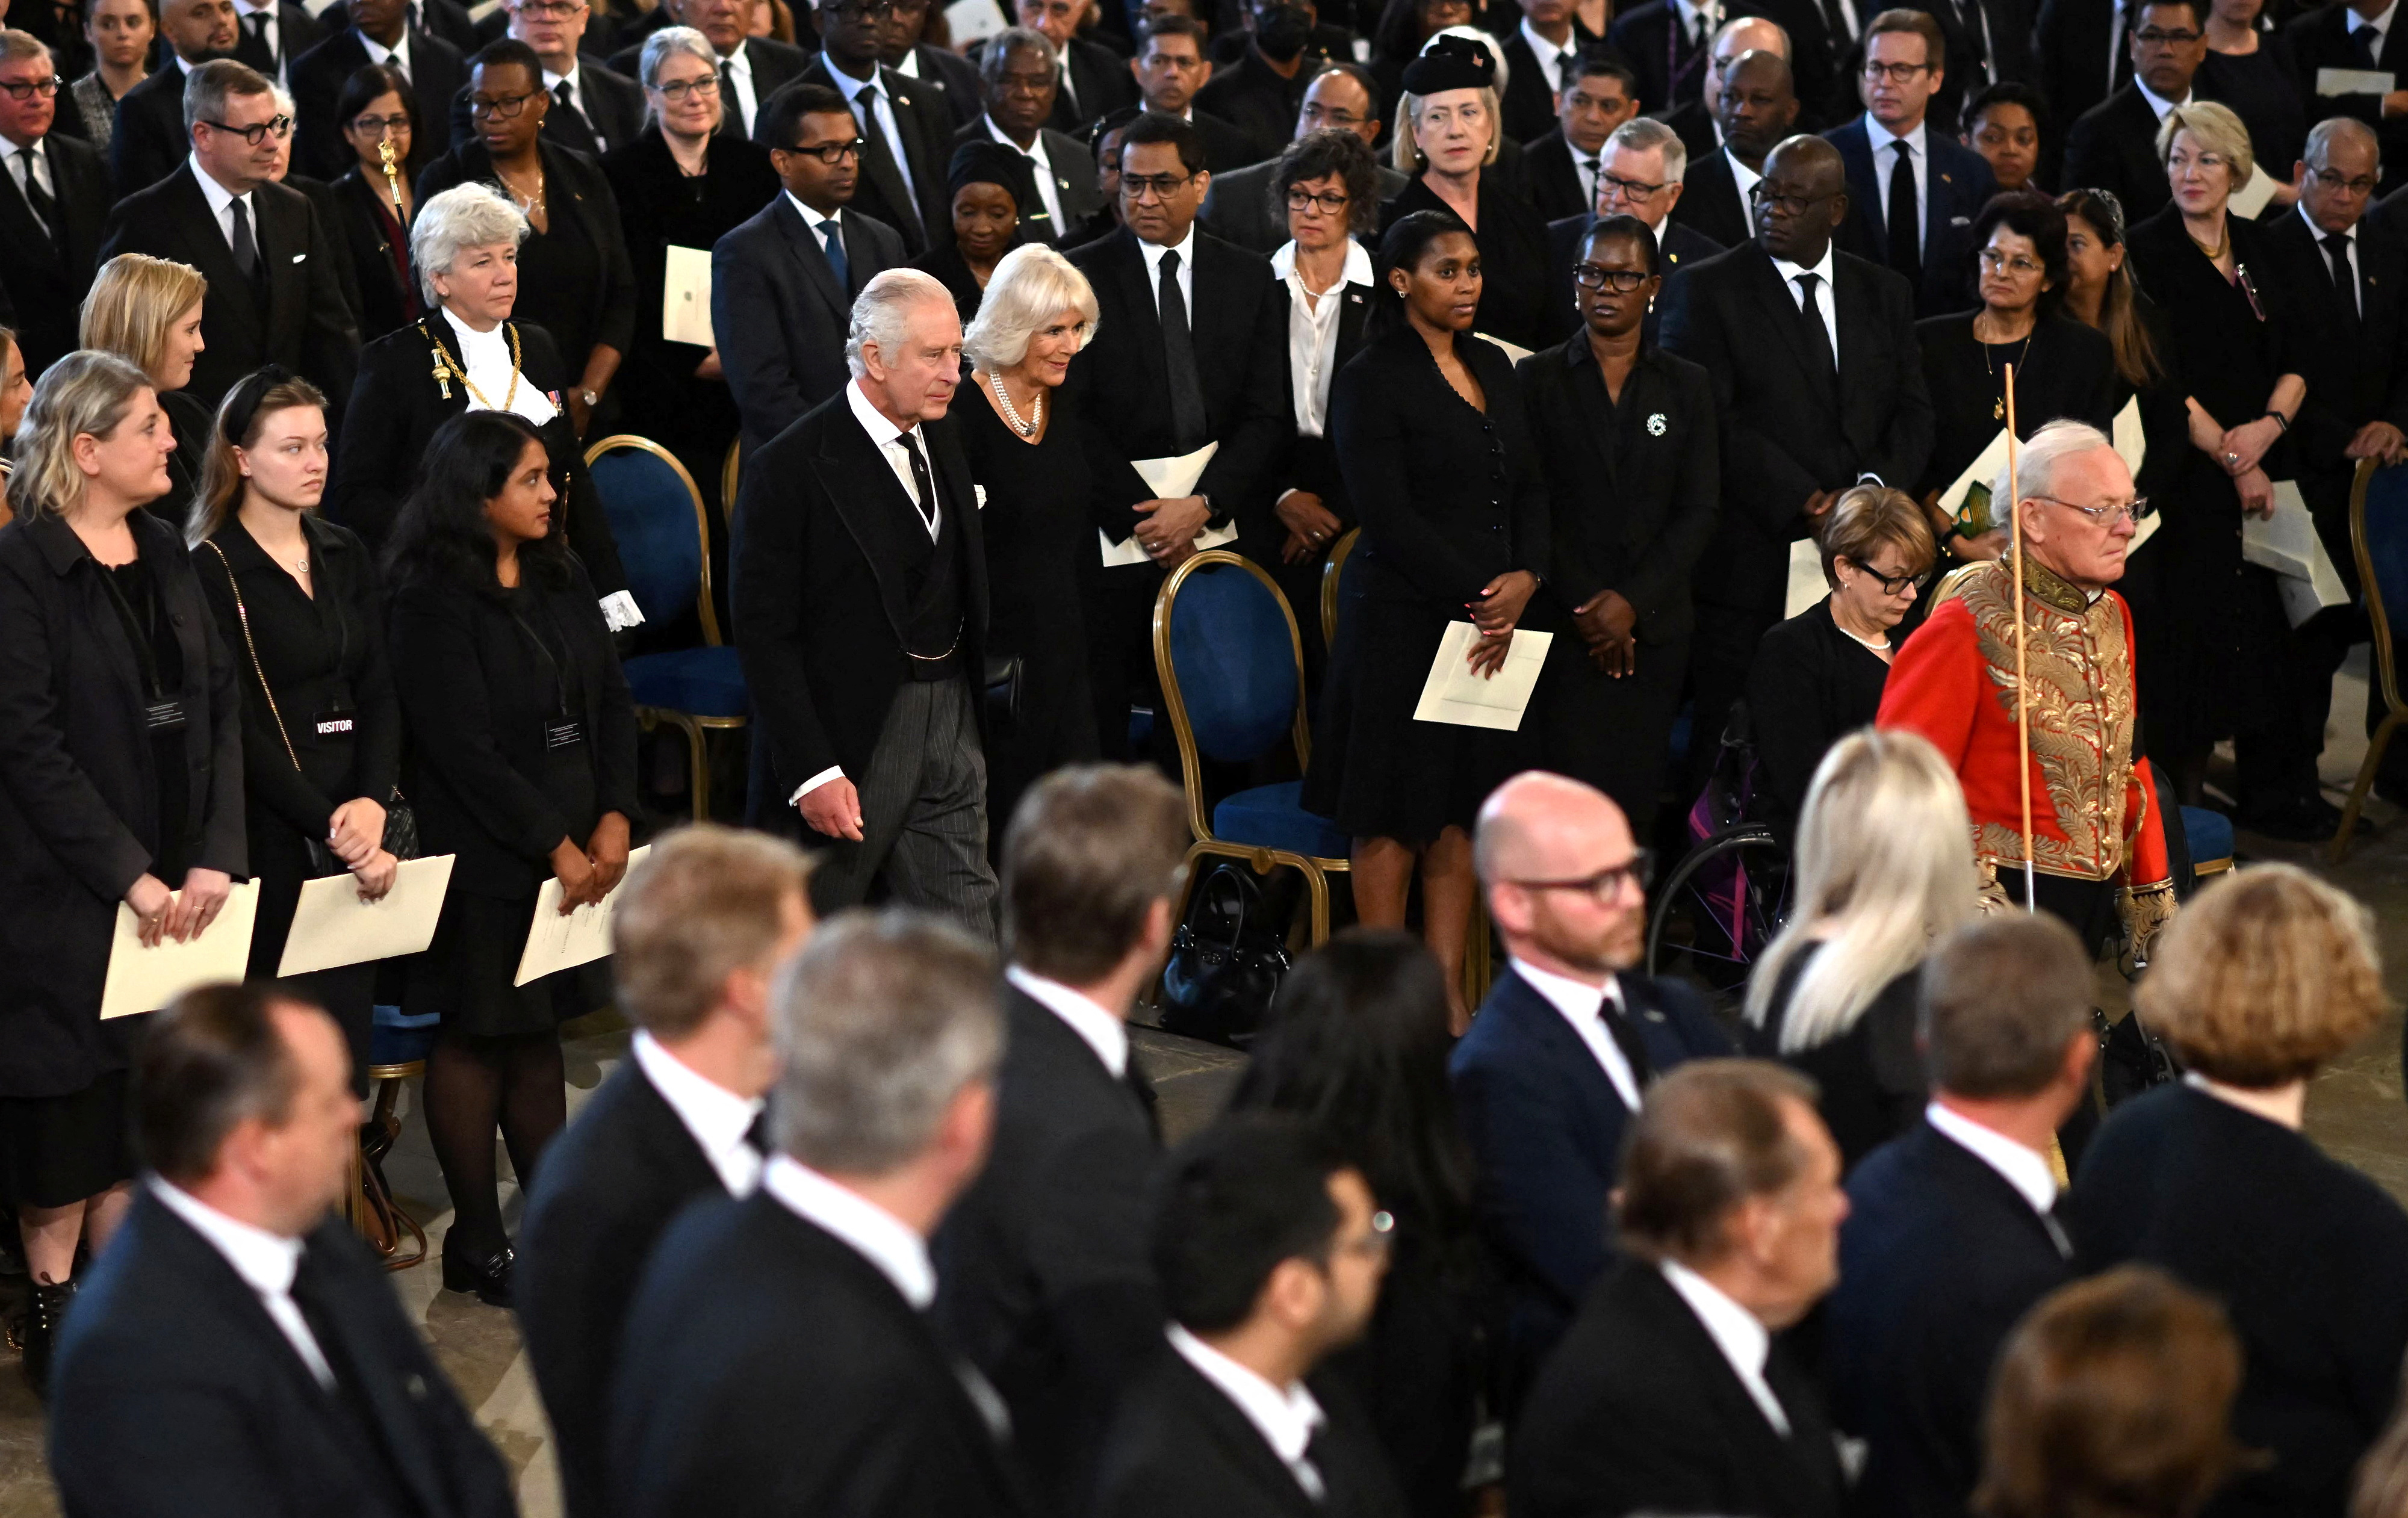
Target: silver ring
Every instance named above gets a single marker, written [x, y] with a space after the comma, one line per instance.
[2232, 458]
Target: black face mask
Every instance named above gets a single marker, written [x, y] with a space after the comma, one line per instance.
[1281, 31]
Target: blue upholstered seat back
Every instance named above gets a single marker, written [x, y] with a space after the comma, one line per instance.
[1234, 652]
[652, 517]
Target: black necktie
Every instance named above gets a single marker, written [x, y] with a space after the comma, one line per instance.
[2362, 38]
[927, 504]
[880, 152]
[756, 1137]
[1905, 227]
[44, 208]
[1818, 337]
[1626, 1037]
[1187, 420]
[251, 47]
[1594, 167]
[833, 235]
[2345, 279]
[245, 250]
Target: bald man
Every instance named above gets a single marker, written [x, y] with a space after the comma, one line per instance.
[1700, 121]
[1567, 1041]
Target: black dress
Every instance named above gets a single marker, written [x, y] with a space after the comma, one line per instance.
[2260, 88]
[2303, 1252]
[326, 730]
[1450, 497]
[1871, 1077]
[1810, 686]
[1513, 241]
[1036, 530]
[2065, 371]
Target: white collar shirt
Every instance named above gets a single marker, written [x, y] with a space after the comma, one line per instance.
[266, 1263]
[1737, 1332]
[268, 31]
[1040, 169]
[575, 79]
[735, 79]
[222, 202]
[1918, 153]
[1152, 253]
[889, 438]
[1743, 180]
[909, 67]
[1553, 60]
[486, 356]
[397, 55]
[1582, 1006]
[1286, 1417]
[2024, 1168]
[2158, 103]
[1096, 1026]
[886, 1241]
[28, 167]
[877, 115]
[2381, 22]
[2315, 235]
[1824, 302]
[1313, 333]
[719, 1121]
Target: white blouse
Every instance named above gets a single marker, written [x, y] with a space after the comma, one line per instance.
[1313, 333]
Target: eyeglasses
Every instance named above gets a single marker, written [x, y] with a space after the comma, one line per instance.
[1895, 73]
[854, 10]
[2334, 182]
[1637, 192]
[1992, 261]
[1606, 883]
[1597, 276]
[379, 126]
[28, 89]
[704, 87]
[551, 11]
[278, 127]
[1786, 205]
[2158, 37]
[2135, 509]
[1890, 584]
[505, 107]
[831, 152]
[1329, 201]
[1161, 186]
[1316, 115]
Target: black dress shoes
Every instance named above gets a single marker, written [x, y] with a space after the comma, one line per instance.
[45, 1309]
[487, 1275]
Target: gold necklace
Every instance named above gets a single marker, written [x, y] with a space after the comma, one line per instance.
[1998, 407]
[447, 370]
[2222, 240]
[532, 205]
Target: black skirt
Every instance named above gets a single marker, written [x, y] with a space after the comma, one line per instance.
[59, 1151]
[465, 975]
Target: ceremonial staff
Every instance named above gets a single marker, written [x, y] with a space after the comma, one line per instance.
[392, 181]
[2023, 697]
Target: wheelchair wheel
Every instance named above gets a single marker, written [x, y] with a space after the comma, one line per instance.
[1720, 907]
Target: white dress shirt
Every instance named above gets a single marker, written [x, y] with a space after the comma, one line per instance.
[1313, 333]
[883, 107]
[1885, 168]
[2315, 235]
[1743, 179]
[2020, 1167]
[575, 79]
[1735, 1332]
[397, 55]
[886, 1241]
[265, 1261]
[222, 203]
[1040, 169]
[2381, 23]
[29, 162]
[1552, 60]
[1286, 1417]
[735, 77]
[1582, 1006]
[1824, 301]
[2157, 102]
[268, 31]
[1107, 1035]
[1698, 20]
[715, 1118]
[1152, 253]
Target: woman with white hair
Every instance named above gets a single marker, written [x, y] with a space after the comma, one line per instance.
[1883, 870]
[1028, 459]
[467, 354]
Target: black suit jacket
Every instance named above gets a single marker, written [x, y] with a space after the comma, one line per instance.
[1710, 205]
[47, 274]
[1696, 130]
[296, 33]
[304, 325]
[1957, 184]
[1529, 105]
[2355, 366]
[821, 552]
[1102, 82]
[2320, 39]
[437, 73]
[1250, 95]
[1672, 69]
[2113, 146]
[610, 1185]
[175, 1392]
[1639, 1411]
[1045, 1281]
[1074, 184]
[609, 112]
[924, 209]
[1179, 1448]
[1787, 431]
[2081, 58]
[1555, 179]
[1939, 1258]
[953, 75]
[1237, 317]
[386, 301]
[1681, 246]
[768, 1368]
[149, 140]
[781, 315]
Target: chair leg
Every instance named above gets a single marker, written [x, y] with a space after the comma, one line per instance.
[1318, 885]
[698, 756]
[2365, 782]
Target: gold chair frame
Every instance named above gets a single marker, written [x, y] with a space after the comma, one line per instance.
[1339, 553]
[2387, 671]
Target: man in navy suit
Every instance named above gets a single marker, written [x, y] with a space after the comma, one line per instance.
[1951, 1234]
[1567, 1041]
[1919, 224]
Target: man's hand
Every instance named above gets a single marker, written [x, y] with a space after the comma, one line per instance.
[834, 809]
[578, 413]
[196, 905]
[2378, 440]
[2395, 104]
[2257, 494]
[606, 851]
[1990, 545]
[1818, 505]
[1502, 601]
[1304, 515]
[1171, 524]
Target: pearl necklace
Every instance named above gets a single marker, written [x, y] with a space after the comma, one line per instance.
[1012, 412]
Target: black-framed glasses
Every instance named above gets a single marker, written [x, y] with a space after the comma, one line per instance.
[1606, 883]
[831, 153]
[1895, 73]
[379, 126]
[2332, 181]
[551, 11]
[1890, 584]
[506, 108]
[1786, 205]
[2158, 37]
[2136, 510]
[1161, 186]
[707, 86]
[28, 89]
[1317, 115]
[1637, 192]
[278, 127]
[1299, 199]
[1597, 276]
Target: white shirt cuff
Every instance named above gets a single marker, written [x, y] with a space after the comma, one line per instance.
[833, 772]
[619, 610]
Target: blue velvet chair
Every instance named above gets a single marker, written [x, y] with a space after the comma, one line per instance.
[1232, 672]
[398, 1044]
[2209, 833]
[2378, 535]
[657, 515]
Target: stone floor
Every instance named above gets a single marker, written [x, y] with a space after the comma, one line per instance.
[2355, 1110]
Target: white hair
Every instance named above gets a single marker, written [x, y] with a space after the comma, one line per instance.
[881, 313]
[2036, 469]
[462, 217]
[1646, 134]
[1031, 286]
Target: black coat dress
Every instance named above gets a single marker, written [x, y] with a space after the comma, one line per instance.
[1812, 685]
[322, 656]
[378, 249]
[1512, 240]
[1872, 1076]
[1450, 497]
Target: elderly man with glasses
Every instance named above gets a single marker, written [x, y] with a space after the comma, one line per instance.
[54, 199]
[2098, 837]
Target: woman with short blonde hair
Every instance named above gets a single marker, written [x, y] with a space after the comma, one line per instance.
[1032, 286]
[148, 311]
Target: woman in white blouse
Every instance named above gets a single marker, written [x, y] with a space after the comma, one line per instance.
[1325, 185]
[466, 354]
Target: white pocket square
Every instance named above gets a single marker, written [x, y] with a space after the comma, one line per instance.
[298, 257]
[981, 496]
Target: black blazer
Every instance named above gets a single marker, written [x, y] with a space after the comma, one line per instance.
[475, 693]
[1529, 105]
[305, 326]
[1102, 82]
[1639, 1411]
[437, 72]
[923, 209]
[80, 786]
[2083, 58]
[149, 140]
[1871, 1081]
[47, 274]
[1711, 204]
[770, 1369]
[819, 568]
[1074, 184]
[610, 1185]
[329, 211]
[1785, 434]
[1938, 1259]
[2353, 364]
[781, 316]
[1237, 318]
[1809, 686]
[177, 1391]
[1249, 94]
[955, 76]
[1682, 246]
[1633, 487]
[1238, 208]
[376, 465]
[2113, 146]
[612, 296]
[385, 301]
[1179, 1448]
[1046, 1284]
[609, 115]
[2320, 39]
[1555, 179]
[1957, 183]
[1672, 69]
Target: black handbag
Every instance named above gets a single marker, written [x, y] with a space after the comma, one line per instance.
[1227, 959]
[1001, 682]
